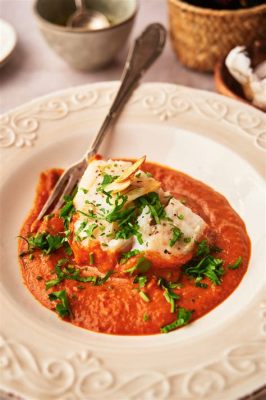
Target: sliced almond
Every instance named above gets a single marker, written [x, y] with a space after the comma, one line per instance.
[115, 186]
[131, 170]
[150, 186]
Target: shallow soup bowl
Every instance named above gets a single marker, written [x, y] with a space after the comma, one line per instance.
[81, 49]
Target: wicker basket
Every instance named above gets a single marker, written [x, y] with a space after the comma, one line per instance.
[202, 36]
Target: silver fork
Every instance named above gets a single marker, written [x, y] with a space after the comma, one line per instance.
[147, 47]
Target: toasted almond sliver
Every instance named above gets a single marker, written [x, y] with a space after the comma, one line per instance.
[150, 186]
[131, 170]
[115, 187]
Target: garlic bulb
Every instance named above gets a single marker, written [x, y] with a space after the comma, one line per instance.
[252, 81]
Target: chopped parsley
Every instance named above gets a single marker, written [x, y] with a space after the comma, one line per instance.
[79, 230]
[141, 280]
[71, 273]
[86, 229]
[144, 297]
[125, 218]
[128, 255]
[90, 229]
[89, 214]
[183, 318]
[100, 281]
[142, 265]
[62, 307]
[169, 295]
[177, 235]
[116, 214]
[68, 211]
[45, 242]
[128, 230]
[200, 284]
[152, 201]
[68, 249]
[236, 264]
[205, 265]
[203, 248]
[146, 317]
[107, 179]
[92, 258]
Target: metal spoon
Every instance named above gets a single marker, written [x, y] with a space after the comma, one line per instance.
[89, 20]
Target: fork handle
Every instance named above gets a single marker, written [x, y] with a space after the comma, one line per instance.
[146, 49]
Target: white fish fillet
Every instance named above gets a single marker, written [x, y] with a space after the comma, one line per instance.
[156, 237]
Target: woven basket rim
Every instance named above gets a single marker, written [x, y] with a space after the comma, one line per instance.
[219, 13]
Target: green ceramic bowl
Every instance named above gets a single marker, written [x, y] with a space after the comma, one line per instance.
[86, 50]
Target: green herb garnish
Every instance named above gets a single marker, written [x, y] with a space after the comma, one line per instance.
[90, 229]
[62, 308]
[177, 235]
[142, 265]
[236, 264]
[68, 211]
[200, 284]
[152, 201]
[208, 266]
[45, 242]
[101, 281]
[71, 273]
[107, 179]
[203, 248]
[146, 317]
[169, 295]
[141, 280]
[92, 258]
[144, 297]
[128, 230]
[183, 318]
[129, 254]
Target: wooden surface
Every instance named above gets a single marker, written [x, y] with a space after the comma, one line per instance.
[34, 70]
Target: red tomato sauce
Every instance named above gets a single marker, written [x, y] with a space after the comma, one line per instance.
[116, 306]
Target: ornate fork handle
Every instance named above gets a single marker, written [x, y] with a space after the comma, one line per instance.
[146, 49]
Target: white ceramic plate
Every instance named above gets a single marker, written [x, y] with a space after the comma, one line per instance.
[8, 40]
[217, 140]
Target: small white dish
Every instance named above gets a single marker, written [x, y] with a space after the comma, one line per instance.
[8, 41]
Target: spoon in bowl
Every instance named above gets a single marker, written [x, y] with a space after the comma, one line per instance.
[89, 20]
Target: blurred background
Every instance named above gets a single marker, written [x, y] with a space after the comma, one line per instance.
[34, 69]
